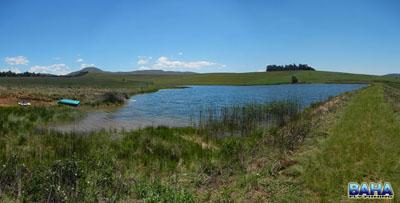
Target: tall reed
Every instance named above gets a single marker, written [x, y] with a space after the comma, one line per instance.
[244, 120]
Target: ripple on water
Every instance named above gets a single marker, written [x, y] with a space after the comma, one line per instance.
[178, 107]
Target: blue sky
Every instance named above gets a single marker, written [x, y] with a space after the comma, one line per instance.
[359, 36]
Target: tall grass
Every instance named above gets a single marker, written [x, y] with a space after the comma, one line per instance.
[245, 120]
[41, 165]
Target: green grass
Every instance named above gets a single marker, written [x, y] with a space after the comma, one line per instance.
[255, 78]
[107, 80]
[362, 146]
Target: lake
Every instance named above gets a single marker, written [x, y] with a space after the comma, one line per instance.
[178, 107]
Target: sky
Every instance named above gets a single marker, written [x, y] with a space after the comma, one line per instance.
[57, 37]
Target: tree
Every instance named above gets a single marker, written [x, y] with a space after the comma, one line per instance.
[294, 79]
[290, 67]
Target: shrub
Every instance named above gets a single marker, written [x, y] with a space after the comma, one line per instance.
[294, 79]
[113, 98]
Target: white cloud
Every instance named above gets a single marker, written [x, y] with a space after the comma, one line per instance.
[144, 68]
[12, 69]
[142, 61]
[84, 65]
[16, 60]
[168, 64]
[55, 69]
[165, 63]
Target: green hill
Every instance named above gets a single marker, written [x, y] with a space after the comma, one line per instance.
[253, 78]
[111, 80]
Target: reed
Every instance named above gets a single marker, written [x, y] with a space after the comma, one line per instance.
[245, 120]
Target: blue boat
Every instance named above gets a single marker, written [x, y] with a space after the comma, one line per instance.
[69, 102]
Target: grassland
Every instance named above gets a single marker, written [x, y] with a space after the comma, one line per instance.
[92, 87]
[307, 156]
[256, 78]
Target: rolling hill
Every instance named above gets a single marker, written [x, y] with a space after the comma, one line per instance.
[136, 72]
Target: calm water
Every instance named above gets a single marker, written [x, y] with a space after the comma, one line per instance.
[177, 107]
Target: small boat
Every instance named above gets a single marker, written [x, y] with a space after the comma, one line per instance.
[24, 103]
[69, 102]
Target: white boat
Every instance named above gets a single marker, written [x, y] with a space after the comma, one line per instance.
[24, 103]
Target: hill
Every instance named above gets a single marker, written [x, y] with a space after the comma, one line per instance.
[157, 72]
[397, 75]
[93, 77]
[252, 78]
[85, 70]
[137, 72]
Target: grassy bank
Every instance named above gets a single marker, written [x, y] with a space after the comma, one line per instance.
[360, 145]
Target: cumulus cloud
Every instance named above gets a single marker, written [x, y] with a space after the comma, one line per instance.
[55, 69]
[174, 64]
[12, 69]
[84, 65]
[143, 60]
[166, 63]
[16, 60]
[143, 68]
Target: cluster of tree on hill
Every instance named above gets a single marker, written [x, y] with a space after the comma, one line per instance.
[290, 67]
[24, 74]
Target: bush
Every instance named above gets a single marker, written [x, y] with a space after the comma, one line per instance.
[113, 98]
[294, 79]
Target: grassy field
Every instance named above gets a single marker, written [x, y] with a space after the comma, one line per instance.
[107, 80]
[89, 90]
[302, 156]
[92, 87]
[255, 78]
